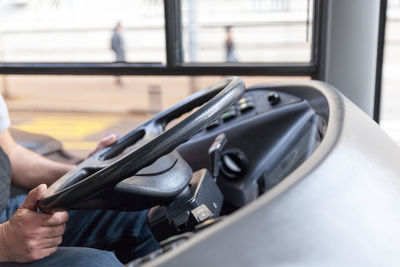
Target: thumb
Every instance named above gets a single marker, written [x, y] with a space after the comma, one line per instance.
[108, 140]
[33, 197]
[103, 143]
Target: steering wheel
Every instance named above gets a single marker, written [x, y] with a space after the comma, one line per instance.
[149, 144]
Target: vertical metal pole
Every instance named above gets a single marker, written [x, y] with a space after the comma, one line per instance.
[155, 99]
[318, 50]
[379, 60]
[351, 53]
[192, 19]
[173, 37]
[308, 20]
[192, 40]
[6, 93]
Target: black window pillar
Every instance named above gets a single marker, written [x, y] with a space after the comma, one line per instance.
[173, 33]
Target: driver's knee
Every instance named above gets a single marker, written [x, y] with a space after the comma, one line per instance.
[76, 256]
[79, 256]
[88, 257]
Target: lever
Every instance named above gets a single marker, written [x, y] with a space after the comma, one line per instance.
[215, 153]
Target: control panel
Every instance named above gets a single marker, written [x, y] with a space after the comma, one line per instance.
[251, 104]
[268, 133]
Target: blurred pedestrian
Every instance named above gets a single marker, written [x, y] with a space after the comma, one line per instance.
[118, 43]
[230, 55]
[118, 46]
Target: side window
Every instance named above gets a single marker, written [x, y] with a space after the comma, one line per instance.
[82, 31]
[390, 111]
[79, 38]
[247, 31]
[168, 37]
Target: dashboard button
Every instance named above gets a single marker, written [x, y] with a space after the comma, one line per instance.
[213, 125]
[247, 106]
[274, 98]
[229, 115]
[242, 100]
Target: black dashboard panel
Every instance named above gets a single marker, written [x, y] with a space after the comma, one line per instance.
[269, 134]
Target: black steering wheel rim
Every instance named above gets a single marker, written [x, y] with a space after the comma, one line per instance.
[214, 100]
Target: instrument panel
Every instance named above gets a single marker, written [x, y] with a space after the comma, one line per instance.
[269, 134]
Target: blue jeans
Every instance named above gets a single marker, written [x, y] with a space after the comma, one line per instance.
[90, 233]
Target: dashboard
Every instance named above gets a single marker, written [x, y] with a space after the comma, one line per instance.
[269, 133]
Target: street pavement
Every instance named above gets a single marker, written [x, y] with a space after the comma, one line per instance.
[80, 110]
[78, 132]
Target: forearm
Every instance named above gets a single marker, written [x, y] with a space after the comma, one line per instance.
[30, 169]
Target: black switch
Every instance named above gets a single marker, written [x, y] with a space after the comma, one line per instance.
[231, 114]
[213, 125]
[274, 98]
[247, 106]
[215, 153]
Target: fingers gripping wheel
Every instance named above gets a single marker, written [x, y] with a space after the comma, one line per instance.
[149, 144]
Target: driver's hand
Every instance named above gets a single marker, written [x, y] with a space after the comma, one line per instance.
[103, 143]
[30, 235]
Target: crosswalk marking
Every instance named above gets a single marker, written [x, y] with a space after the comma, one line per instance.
[79, 145]
[71, 131]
